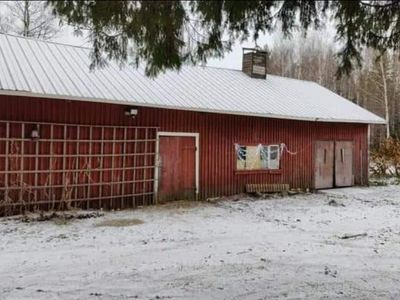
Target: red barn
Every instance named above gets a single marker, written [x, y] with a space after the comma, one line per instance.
[114, 138]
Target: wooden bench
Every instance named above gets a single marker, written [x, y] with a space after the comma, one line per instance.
[267, 188]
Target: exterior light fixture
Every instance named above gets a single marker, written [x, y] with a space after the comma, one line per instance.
[131, 112]
[35, 133]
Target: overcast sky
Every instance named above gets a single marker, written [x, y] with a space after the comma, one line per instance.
[232, 60]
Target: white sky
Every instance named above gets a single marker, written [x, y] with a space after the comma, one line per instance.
[232, 60]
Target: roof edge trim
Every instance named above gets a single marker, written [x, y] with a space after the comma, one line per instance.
[237, 113]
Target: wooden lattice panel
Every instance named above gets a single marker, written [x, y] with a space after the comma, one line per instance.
[59, 166]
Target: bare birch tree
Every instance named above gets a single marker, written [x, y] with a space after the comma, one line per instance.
[29, 18]
[383, 69]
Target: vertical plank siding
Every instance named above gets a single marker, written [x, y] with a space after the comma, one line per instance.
[218, 134]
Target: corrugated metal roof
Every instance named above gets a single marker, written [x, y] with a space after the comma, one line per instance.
[45, 69]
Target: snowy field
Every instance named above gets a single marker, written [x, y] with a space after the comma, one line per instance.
[287, 248]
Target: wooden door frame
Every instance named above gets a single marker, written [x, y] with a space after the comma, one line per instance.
[194, 135]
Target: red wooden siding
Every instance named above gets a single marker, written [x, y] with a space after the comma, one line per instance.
[217, 135]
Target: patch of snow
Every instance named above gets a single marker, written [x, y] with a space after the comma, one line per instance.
[275, 248]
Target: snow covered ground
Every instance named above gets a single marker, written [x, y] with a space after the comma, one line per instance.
[248, 249]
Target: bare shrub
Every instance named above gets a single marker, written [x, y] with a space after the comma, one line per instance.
[386, 158]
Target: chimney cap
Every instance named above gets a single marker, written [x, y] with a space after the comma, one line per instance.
[254, 63]
[254, 50]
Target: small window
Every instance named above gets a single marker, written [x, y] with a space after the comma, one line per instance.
[264, 157]
[274, 156]
[241, 152]
[259, 157]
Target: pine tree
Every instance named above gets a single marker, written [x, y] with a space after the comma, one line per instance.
[167, 34]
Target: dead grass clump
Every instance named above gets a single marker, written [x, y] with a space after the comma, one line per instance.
[119, 223]
[60, 218]
[386, 158]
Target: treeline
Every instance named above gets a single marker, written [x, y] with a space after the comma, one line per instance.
[374, 86]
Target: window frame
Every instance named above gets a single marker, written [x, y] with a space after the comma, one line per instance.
[256, 171]
[278, 157]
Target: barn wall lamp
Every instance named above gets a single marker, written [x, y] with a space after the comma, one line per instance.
[131, 112]
[35, 133]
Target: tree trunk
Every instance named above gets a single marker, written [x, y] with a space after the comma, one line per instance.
[26, 18]
[385, 97]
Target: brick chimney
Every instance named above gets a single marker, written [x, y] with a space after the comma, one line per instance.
[254, 63]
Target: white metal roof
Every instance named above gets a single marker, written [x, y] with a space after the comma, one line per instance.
[44, 69]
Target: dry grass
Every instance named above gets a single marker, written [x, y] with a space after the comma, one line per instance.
[181, 204]
[119, 223]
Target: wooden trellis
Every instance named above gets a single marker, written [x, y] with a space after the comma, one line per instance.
[61, 166]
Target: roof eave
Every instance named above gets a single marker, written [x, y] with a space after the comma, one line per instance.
[133, 103]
